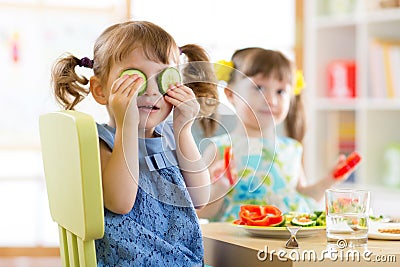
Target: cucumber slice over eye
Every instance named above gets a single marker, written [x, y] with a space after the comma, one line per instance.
[143, 87]
[167, 77]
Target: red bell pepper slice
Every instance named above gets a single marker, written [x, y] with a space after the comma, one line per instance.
[227, 160]
[352, 160]
[256, 215]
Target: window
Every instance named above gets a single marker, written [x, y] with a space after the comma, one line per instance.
[33, 33]
[225, 25]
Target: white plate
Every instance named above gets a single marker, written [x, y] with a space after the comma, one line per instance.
[373, 232]
[282, 232]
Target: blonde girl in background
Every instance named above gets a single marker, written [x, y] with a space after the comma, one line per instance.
[152, 173]
[261, 86]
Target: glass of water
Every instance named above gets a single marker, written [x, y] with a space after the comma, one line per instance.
[347, 217]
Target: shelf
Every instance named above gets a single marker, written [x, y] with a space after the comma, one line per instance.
[336, 104]
[383, 15]
[352, 20]
[350, 104]
[375, 120]
[383, 104]
[326, 22]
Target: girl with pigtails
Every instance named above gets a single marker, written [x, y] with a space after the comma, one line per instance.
[153, 175]
[264, 165]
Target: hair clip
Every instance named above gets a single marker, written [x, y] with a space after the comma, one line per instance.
[85, 62]
[223, 70]
[299, 83]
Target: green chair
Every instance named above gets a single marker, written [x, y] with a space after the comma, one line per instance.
[71, 159]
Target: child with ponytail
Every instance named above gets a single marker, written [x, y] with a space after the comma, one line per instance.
[265, 91]
[152, 172]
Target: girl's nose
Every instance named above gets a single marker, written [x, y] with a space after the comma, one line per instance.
[271, 98]
[152, 87]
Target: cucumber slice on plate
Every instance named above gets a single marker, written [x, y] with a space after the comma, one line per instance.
[303, 221]
[167, 77]
[143, 87]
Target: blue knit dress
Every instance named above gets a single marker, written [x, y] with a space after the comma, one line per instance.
[162, 229]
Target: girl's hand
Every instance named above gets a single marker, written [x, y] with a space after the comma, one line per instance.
[186, 106]
[340, 162]
[122, 99]
[218, 176]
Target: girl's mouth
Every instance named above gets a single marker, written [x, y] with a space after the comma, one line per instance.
[149, 108]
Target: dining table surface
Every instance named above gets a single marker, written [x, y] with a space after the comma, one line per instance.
[226, 244]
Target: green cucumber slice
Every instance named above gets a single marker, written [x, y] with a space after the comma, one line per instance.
[313, 216]
[143, 87]
[305, 223]
[167, 77]
[318, 213]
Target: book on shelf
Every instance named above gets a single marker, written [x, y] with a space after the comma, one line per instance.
[342, 78]
[384, 68]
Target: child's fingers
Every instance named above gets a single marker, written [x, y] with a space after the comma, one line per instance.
[176, 94]
[117, 83]
[173, 101]
[124, 83]
[129, 84]
[120, 84]
[183, 88]
[134, 87]
[217, 174]
[180, 92]
[341, 158]
[178, 99]
[339, 161]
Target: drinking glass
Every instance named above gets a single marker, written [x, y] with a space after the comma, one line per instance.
[347, 217]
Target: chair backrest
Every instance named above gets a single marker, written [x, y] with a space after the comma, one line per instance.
[71, 159]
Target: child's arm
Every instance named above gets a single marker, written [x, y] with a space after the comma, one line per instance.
[193, 169]
[220, 185]
[317, 190]
[223, 176]
[120, 169]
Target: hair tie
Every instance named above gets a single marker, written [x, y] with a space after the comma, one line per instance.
[299, 83]
[223, 70]
[85, 62]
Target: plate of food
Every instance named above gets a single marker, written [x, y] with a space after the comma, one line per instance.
[269, 221]
[384, 230]
[281, 232]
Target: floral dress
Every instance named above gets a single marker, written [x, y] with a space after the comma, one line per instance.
[162, 229]
[268, 175]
